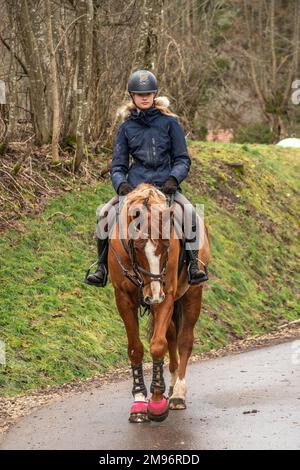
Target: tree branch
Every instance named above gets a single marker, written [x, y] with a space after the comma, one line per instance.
[14, 54]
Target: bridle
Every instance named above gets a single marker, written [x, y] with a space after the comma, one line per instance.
[136, 278]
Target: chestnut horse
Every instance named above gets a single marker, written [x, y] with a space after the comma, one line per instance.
[144, 270]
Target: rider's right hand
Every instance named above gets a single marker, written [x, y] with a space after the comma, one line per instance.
[124, 189]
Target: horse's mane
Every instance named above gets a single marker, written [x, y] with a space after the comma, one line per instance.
[144, 196]
[145, 193]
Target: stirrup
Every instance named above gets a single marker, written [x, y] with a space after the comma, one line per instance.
[193, 281]
[101, 282]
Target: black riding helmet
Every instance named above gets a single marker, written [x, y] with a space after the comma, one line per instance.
[142, 81]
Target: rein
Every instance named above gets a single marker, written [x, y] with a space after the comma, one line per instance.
[136, 278]
[138, 269]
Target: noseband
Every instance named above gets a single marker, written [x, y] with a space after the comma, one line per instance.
[137, 278]
[138, 269]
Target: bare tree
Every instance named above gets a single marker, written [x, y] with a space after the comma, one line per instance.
[25, 11]
[273, 58]
[221, 64]
[149, 35]
[54, 88]
[85, 12]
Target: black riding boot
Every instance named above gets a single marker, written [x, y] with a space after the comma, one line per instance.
[99, 278]
[195, 275]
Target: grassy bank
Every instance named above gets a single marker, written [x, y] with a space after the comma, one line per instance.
[57, 329]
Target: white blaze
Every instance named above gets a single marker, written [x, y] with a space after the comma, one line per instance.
[153, 261]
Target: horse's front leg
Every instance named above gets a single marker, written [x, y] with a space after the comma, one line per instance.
[191, 305]
[158, 408]
[128, 309]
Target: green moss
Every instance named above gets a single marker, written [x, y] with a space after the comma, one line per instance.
[57, 329]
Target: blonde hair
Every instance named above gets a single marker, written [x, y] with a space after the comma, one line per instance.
[162, 103]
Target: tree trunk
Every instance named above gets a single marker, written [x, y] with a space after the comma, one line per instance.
[12, 120]
[54, 88]
[85, 10]
[147, 50]
[32, 55]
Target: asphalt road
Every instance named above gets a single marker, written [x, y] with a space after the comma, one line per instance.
[245, 401]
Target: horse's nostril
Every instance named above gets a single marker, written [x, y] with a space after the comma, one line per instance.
[148, 299]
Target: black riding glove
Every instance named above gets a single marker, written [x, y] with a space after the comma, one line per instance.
[124, 189]
[170, 186]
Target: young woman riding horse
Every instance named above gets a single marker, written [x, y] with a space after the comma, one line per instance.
[156, 141]
[145, 269]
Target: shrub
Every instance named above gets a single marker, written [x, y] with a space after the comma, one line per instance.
[257, 133]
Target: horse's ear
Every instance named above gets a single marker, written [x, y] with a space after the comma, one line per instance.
[145, 203]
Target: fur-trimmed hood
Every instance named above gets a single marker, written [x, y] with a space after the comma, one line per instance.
[161, 102]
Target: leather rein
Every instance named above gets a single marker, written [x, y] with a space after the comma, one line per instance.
[136, 278]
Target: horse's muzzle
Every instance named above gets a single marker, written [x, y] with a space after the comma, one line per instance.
[154, 300]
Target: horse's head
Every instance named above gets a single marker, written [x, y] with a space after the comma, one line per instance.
[149, 224]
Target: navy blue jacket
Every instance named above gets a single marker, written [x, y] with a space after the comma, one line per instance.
[157, 145]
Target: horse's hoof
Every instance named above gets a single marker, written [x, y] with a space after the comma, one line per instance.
[177, 404]
[139, 412]
[139, 418]
[158, 410]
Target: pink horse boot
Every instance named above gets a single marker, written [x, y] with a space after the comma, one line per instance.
[139, 412]
[158, 410]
